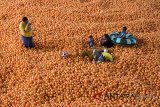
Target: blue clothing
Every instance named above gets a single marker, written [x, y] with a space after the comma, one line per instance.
[28, 42]
[99, 57]
[91, 42]
[106, 42]
[123, 34]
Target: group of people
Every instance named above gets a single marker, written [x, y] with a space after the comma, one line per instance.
[99, 56]
[106, 42]
[102, 55]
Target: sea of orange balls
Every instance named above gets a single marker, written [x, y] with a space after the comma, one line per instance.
[39, 77]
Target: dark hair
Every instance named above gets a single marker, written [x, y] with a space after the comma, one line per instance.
[124, 28]
[90, 36]
[106, 35]
[24, 18]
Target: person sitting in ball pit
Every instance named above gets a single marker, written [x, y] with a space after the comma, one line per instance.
[123, 33]
[123, 37]
[105, 41]
[90, 41]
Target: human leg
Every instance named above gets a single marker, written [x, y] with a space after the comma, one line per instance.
[31, 44]
[25, 41]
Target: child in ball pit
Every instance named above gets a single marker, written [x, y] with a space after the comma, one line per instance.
[123, 33]
[26, 32]
[102, 56]
[91, 41]
[105, 41]
[107, 56]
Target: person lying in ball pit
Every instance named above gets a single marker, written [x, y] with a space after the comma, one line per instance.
[102, 56]
[107, 56]
[26, 32]
[105, 41]
[98, 57]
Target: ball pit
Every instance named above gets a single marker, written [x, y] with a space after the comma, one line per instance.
[39, 77]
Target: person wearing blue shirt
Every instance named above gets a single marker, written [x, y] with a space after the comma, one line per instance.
[91, 41]
[123, 33]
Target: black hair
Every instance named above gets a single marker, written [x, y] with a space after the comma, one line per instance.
[124, 28]
[24, 18]
[106, 35]
[90, 36]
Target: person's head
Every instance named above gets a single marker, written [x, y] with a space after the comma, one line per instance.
[106, 35]
[124, 28]
[64, 54]
[90, 36]
[25, 19]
